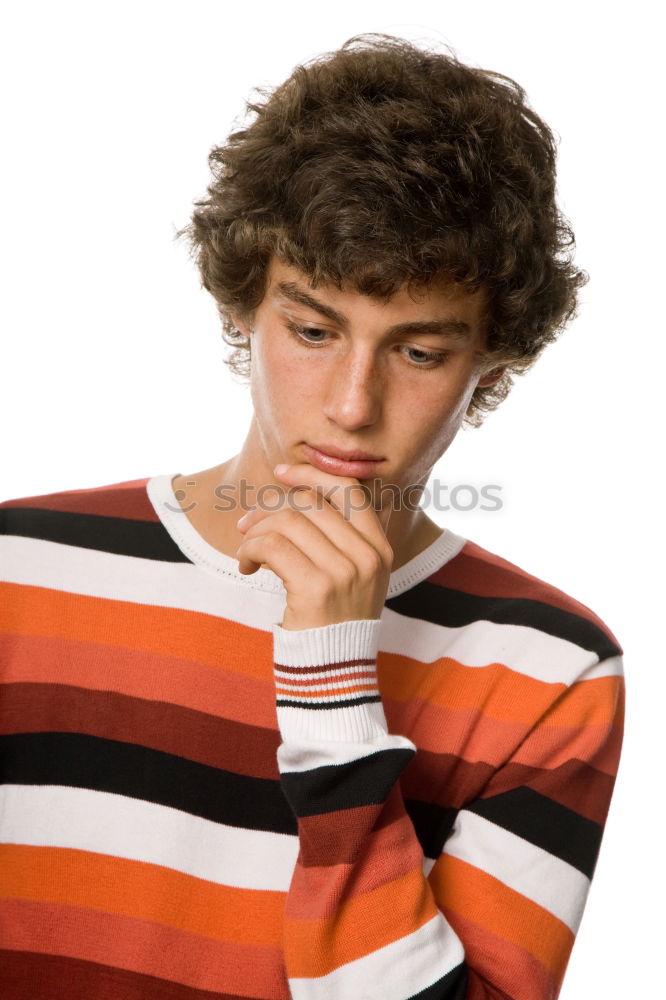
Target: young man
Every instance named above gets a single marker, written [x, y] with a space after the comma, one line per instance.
[328, 750]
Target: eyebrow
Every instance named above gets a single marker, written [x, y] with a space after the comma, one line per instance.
[454, 329]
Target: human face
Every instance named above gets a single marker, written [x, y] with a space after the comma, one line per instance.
[335, 368]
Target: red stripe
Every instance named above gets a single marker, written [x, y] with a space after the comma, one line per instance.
[198, 736]
[144, 947]
[335, 665]
[142, 674]
[337, 677]
[26, 975]
[127, 500]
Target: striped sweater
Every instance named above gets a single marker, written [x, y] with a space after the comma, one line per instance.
[199, 805]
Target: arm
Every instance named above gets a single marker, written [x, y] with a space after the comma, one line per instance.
[497, 914]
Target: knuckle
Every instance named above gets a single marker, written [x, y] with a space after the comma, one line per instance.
[291, 515]
[348, 572]
[272, 539]
[322, 586]
[371, 561]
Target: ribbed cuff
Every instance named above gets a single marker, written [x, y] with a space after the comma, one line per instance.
[326, 682]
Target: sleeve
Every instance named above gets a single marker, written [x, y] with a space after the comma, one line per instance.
[496, 916]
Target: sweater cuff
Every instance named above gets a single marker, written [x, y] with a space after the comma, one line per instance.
[326, 682]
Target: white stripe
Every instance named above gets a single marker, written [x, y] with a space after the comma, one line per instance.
[123, 827]
[160, 493]
[524, 650]
[39, 563]
[481, 643]
[401, 969]
[344, 674]
[307, 754]
[327, 684]
[612, 666]
[548, 881]
[428, 865]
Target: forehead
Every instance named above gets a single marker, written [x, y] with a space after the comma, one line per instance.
[439, 300]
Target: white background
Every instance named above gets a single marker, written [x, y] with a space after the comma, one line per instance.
[112, 360]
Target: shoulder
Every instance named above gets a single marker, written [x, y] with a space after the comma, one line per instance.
[115, 518]
[524, 596]
[124, 499]
[490, 606]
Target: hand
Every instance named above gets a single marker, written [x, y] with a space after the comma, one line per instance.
[333, 569]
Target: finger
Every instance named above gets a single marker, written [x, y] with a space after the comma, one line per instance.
[274, 550]
[311, 505]
[317, 529]
[347, 495]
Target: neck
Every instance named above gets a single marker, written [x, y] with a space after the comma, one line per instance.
[214, 500]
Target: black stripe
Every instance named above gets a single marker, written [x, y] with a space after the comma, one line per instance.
[432, 824]
[119, 535]
[454, 609]
[546, 824]
[363, 782]
[362, 700]
[81, 761]
[452, 986]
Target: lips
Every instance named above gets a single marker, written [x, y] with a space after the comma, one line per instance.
[347, 456]
[356, 468]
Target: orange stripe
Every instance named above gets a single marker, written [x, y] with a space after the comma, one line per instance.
[597, 746]
[471, 737]
[359, 926]
[191, 635]
[306, 696]
[501, 693]
[466, 734]
[504, 912]
[494, 960]
[140, 674]
[588, 703]
[143, 947]
[137, 889]
[389, 853]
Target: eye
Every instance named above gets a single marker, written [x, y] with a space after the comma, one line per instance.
[429, 359]
[437, 357]
[301, 331]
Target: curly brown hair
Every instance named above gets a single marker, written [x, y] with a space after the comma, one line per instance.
[381, 164]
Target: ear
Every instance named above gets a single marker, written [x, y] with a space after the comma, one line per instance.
[491, 378]
[240, 325]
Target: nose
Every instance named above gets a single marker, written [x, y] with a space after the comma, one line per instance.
[355, 391]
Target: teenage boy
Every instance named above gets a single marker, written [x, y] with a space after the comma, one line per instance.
[329, 750]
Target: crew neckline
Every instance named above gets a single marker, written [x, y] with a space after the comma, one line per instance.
[178, 525]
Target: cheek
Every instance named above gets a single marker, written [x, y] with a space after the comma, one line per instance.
[431, 425]
[277, 382]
